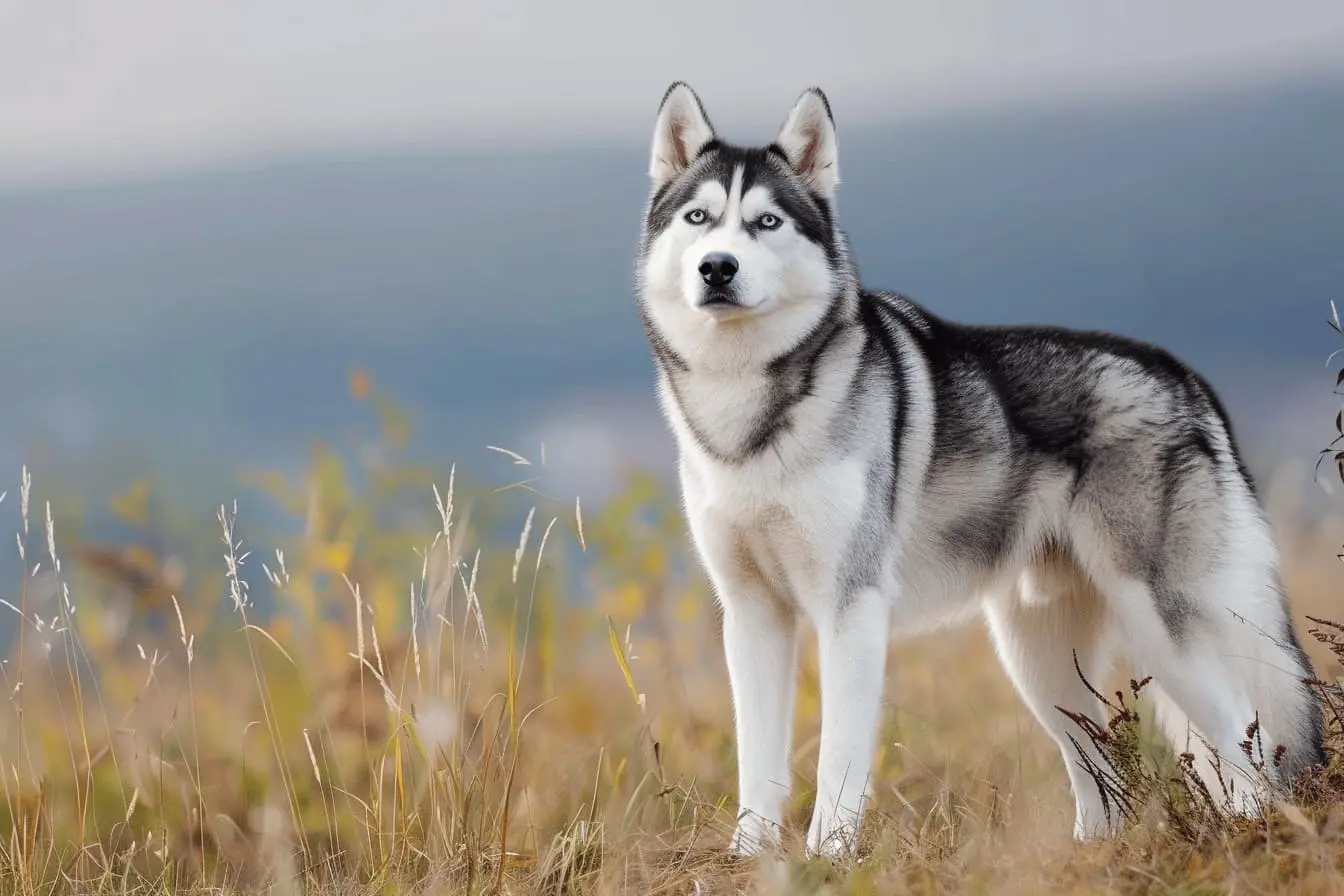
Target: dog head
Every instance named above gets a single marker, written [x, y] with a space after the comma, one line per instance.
[733, 233]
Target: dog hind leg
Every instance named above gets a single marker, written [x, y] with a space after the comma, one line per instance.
[1052, 615]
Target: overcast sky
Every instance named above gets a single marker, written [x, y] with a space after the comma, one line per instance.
[91, 88]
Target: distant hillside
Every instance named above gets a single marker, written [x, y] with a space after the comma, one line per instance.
[211, 319]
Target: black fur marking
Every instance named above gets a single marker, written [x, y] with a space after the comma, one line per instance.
[881, 353]
[806, 211]
[986, 536]
[662, 350]
[1206, 391]
[711, 145]
[792, 380]
[1178, 612]
[793, 376]
[1309, 748]
[1041, 378]
[668, 199]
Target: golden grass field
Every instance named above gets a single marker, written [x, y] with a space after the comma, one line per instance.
[426, 709]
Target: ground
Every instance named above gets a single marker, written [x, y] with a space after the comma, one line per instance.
[404, 700]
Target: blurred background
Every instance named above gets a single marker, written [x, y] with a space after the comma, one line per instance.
[311, 255]
[211, 215]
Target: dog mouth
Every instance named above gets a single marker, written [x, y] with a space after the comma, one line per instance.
[719, 300]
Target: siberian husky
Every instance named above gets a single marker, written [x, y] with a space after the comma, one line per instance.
[852, 461]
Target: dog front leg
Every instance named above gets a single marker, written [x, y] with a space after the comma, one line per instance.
[760, 639]
[852, 649]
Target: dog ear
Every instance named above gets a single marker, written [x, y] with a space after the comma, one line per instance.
[809, 142]
[682, 131]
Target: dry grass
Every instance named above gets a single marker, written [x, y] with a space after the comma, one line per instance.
[391, 705]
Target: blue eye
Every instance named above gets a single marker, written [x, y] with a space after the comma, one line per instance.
[768, 221]
[696, 216]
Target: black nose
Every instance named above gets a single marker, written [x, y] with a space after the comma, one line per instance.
[718, 268]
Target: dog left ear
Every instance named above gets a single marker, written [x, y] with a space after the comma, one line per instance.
[809, 141]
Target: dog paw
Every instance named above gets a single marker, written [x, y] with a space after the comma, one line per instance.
[838, 843]
[754, 836]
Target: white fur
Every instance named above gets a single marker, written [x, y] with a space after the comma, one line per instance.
[772, 530]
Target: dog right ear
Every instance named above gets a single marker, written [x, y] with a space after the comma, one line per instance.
[681, 133]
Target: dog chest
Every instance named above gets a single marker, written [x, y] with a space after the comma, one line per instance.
[790, 530]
